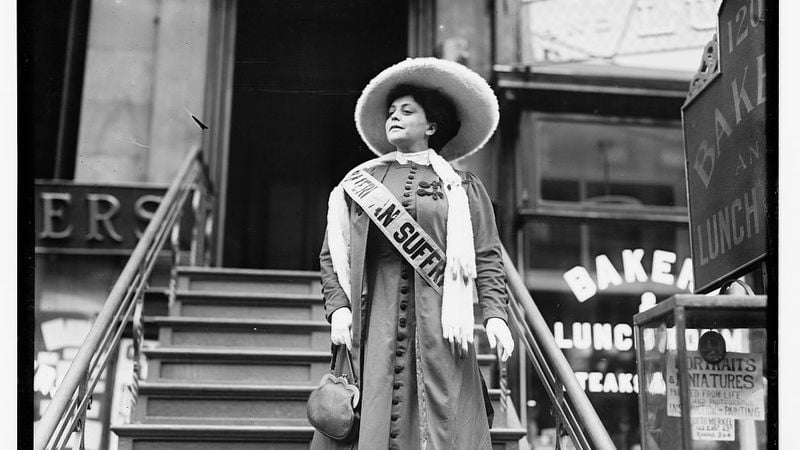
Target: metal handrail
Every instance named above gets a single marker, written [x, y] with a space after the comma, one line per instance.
[66, 413]
[569, 401]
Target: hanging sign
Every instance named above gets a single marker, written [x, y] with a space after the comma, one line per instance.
[725, 145]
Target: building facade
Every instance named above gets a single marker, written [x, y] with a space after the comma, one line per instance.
[586, 169]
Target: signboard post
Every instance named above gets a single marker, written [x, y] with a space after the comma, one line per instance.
[725, 144]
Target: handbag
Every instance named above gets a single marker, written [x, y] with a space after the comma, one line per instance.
[332, 406]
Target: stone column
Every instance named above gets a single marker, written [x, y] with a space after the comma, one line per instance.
[179, 85]
[145, 63]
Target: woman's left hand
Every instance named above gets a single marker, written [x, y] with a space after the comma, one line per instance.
[497, 331]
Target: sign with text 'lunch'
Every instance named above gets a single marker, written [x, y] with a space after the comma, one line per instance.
[725, 144]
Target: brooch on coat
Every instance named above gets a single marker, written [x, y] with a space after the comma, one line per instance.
[433, 189]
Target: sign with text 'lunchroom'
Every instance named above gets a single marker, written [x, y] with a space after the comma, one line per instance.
[725, 143]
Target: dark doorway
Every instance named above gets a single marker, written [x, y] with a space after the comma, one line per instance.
[52, 53]
[299, 68]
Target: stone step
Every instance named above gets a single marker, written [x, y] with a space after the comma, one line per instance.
[222, 403]
[246, 437]
[156, 301]
[248, 280]
[227, 332]
[237, 404]
[248, 305]
[252, 366]
[240, 351]
[254, 332]
[236, 365]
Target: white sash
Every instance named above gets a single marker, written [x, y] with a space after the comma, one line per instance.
[405, 234]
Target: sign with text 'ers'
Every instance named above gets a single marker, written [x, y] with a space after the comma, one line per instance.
[92, 218]
[725, 143]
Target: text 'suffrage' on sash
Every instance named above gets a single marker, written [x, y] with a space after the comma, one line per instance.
[405, 234]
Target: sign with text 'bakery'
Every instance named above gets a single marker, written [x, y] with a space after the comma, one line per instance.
[725, 144]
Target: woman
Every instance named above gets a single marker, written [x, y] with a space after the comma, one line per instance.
[408, 241]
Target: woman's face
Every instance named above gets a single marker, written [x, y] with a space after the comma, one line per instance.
[407, 128]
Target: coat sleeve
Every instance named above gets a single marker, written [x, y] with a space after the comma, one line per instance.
[491, 276]
[332, 291]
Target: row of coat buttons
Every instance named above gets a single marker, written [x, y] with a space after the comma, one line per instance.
[400, 350]
[407, 194]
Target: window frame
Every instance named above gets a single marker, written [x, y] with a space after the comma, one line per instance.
[550, 211]
[576, 210]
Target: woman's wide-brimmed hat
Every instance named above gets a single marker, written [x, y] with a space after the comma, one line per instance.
[475, 103]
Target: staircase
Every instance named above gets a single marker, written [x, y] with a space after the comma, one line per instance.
[239, 352]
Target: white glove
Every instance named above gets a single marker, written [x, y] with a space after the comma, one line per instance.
[497, 331]
[341, 322]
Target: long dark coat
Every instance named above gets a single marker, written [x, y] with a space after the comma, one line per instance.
[450, 405]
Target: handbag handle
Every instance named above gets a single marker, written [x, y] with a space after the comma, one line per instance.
[340, 356]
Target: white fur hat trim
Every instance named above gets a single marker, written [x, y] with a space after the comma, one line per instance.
[475, 102]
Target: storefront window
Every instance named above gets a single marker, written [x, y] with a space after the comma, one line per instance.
[566, 243]
[606, 161]
[604, 235]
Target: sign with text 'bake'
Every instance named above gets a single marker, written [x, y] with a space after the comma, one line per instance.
[725, 144]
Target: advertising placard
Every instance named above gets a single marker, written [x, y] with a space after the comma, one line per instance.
[713, 429]
[730, 389]
[725, 145]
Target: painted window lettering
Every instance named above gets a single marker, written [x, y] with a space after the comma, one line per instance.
[584, 287]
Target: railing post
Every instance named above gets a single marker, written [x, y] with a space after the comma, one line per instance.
[79, 434]
[203, 209]
[208, 229]
[559, 390]
[198, 248]
[502, 369]
[522, 385]
[175, 248]
[138, 342]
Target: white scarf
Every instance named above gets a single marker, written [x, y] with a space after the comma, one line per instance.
[459, 272]
[422, 158]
